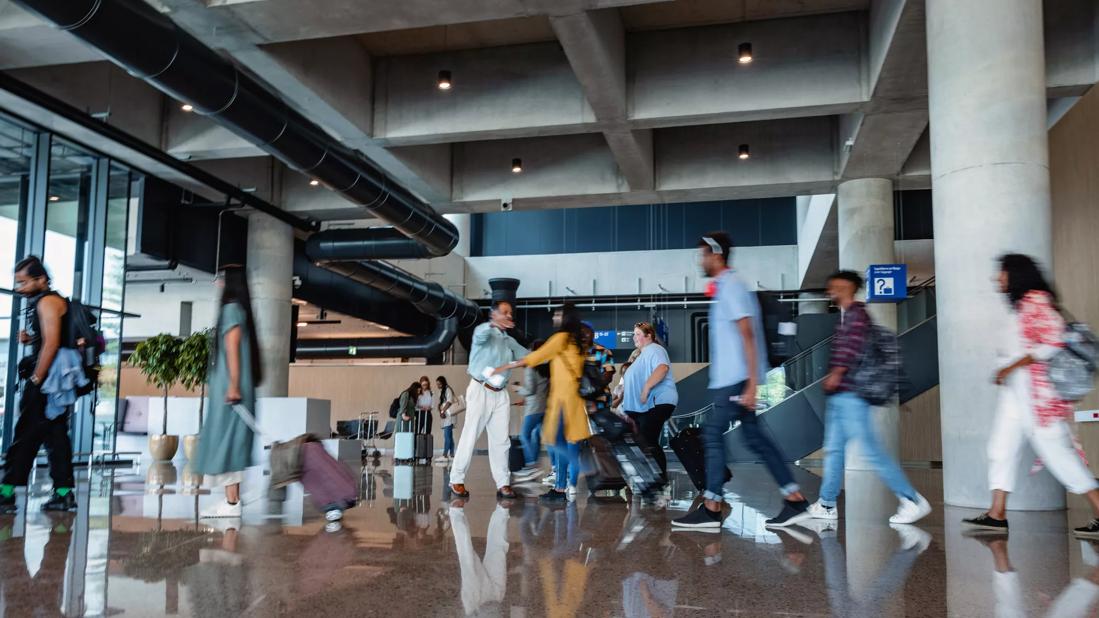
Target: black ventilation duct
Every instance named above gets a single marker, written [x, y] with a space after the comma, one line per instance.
[152, 47]
[429, 345]
[504, 288]
[352, 245]
[427, 296]
[338, 293]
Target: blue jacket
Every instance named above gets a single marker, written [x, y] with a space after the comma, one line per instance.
[66, 375]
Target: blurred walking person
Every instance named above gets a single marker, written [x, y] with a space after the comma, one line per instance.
[650, 394]
[847, 415]
[738, 364]
[565, 425]
[225, 440]
[488, 404]
[46, 330]
[535, 390]
[1029, 409]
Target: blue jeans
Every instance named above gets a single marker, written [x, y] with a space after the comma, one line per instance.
[566, 459]
[530, 435]
[448, 440]
[847, 417]
[713, 441]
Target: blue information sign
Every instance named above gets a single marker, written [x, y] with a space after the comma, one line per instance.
[886, 283]
[606, 338]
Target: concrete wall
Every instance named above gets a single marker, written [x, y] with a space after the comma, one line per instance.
[772, 268]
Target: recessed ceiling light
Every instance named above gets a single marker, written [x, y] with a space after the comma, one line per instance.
[744, 152]
[444, 80]
[187, 107]
[744, 53]
[55, 198]
[314, 182]
[303, 324]
[516, 166]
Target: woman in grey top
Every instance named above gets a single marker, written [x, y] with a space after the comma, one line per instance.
[225, 440]
[534, 391]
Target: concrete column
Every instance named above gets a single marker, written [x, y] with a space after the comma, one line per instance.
[865, 229]
[990, 185]
[270, 275]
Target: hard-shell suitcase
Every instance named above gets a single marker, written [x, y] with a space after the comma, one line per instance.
[516, 458]
[425, 448]
[413, 447]
[599, 462]
[329, 483]
[688, 448]
[639, 469]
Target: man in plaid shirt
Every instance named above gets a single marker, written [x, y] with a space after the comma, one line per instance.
[847, 416]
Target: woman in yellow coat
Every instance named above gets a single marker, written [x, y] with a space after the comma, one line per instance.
[566, 421]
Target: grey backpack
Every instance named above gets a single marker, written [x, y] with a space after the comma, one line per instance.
[880, 371]
[1072, 368]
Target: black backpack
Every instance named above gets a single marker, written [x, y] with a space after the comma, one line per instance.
[395, 407]
[88, 341]
[880, 372]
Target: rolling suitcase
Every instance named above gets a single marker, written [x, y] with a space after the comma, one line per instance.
[687, 445]
[599, 462]
[641, 472]
[516, 458]
[330, 484]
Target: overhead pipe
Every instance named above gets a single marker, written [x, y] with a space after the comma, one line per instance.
[427, 296]
[376, 243]
[423, 346]
[152, 47]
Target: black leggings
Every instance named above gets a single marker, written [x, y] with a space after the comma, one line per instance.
[649, 426]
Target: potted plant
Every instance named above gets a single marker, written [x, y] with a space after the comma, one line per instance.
[194, 363]
[158, 359]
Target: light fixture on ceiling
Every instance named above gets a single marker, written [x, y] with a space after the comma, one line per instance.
[744, 53]
[55, 198]
[314, 182]
[303, 324]
[516, 166]
[744, 152]
[444, 80]
[187, 107]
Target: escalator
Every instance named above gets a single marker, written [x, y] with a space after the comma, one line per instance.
[793, 399]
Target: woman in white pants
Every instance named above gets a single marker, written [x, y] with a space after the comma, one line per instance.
[1029, 409]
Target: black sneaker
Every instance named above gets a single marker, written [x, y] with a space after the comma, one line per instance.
[792, 513]
[701, 517]
[1090, 531]
[985, 523]
[8, 505]
[58, 502]
[554, 497]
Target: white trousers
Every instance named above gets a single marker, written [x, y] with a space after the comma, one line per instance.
[1013, 427]
[485, 581]
[489, 411]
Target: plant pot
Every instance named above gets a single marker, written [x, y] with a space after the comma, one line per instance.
[190, 446]
[160, 474]
[191, 483]
[163, 447]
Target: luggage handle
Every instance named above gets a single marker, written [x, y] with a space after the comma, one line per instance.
[246, 415]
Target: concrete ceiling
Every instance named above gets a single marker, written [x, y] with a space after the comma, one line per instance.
[605, 101]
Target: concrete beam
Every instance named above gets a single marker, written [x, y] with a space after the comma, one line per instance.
[26, 41]
[633, 151]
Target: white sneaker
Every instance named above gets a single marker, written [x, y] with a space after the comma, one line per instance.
[819, 511]
[526, 475]
[223, 509]
[912, 537]
[550, 480]
[825, 528]
[571, 492]
[333, 515]
[910, 512]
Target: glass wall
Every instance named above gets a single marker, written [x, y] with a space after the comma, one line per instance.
[70, 206]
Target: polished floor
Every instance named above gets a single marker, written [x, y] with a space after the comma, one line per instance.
[136, 548]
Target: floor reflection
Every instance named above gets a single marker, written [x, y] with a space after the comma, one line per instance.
[136, 547]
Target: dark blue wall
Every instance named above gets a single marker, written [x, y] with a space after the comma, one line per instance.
[752, 223]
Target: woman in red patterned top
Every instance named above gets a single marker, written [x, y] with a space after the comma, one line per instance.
[1029, 409]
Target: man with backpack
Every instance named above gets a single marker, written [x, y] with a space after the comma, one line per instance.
[47, 331]
[847, 416]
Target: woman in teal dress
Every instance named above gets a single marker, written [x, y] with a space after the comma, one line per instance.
[225, 441]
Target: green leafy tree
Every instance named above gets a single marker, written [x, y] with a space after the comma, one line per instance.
[158, 359]
[194, 365]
